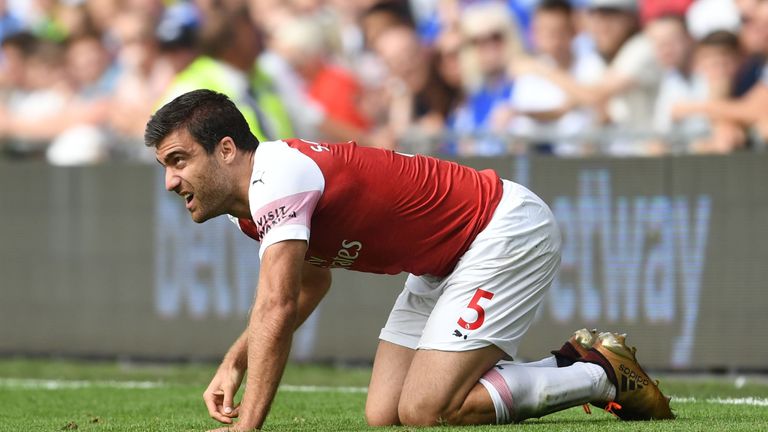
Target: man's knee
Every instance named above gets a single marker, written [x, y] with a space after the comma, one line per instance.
[378, 416]
[422, 412]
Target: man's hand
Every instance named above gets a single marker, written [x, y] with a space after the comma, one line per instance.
[220, 394]
[274, 317]
[289, 290]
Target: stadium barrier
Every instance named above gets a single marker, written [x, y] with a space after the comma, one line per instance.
[101, 261]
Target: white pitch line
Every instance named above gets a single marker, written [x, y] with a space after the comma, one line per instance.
[763, 402]
[683, 399]
[322, 389]
[54, 384]
[57, 384]
[751, 401]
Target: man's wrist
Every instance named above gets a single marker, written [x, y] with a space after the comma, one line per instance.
[240, 426]
[234, 362]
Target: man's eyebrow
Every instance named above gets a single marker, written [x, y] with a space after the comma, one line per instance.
[169, 156]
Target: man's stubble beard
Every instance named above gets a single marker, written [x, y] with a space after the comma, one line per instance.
[212, 194]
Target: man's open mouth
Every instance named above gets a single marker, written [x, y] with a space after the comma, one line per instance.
[188, 197]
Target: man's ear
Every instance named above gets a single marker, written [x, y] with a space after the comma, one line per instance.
[226, 149]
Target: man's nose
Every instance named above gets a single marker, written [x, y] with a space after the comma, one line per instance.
[171, 180]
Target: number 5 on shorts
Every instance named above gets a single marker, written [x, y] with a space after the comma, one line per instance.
[473, 304]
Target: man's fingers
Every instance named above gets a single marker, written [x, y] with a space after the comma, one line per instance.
[210, 403]
[229, 403]
[235, 412]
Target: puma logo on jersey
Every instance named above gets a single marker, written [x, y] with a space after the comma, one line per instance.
[458, 334]
[260, 178]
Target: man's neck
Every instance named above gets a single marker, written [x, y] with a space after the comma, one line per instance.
[240, 206]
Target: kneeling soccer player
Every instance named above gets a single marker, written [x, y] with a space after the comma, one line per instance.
[481, 252]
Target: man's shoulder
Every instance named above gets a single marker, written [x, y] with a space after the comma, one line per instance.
[289, 148]
[637, 51]
[281, 168]
[637, 60]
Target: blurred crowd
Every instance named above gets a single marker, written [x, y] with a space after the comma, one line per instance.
[80, 78]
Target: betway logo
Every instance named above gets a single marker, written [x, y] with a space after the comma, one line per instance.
[345, 257]
[630, 259]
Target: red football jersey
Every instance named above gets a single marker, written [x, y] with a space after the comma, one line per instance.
[368, 209]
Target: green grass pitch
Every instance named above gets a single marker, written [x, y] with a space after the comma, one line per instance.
[45, 395]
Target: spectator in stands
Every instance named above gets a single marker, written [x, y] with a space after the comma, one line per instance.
[716, 61]
[673, 47]
[321, 97]
[110, 77]
[31, 71]
[233, 42]
[753, 37]
[447, 47]
[420, 98]
[80, 132]
[492, 41]
[346, 22]
[90, 67]
[626, 89]
[383, 15]
[747, 111]
[15, 50]
[75, 126]
[140, 83]
[542, 108]
[177, 36]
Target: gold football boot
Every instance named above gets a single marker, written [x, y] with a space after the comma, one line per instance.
[637, 396]
[576, 347]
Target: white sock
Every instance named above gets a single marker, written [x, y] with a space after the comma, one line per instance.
[550, 361]
[519, 392]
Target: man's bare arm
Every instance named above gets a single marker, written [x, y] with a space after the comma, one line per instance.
[580, 94]
[315, 282]
[274, 317]
[610, 85]
[746, 111]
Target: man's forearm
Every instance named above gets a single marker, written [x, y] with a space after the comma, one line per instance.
[270, 328]
[269, 344]
[237, 355]
[313, 290]
[314, 286]
[737, 111]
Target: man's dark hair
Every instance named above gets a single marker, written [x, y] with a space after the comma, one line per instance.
[208, 116]
[24, 41]
[721, 39]
[561, 6]
[399, 11]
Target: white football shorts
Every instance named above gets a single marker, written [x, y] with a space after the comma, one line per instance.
[492, 295]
